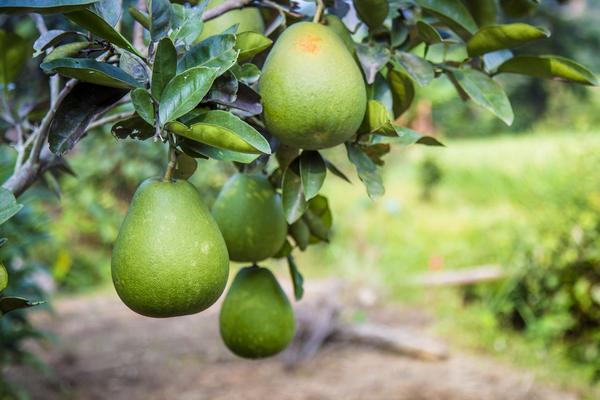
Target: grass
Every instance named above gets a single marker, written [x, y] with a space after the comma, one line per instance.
[493, 196]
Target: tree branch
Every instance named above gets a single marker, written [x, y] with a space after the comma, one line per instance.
[222, 8]
[41, 133]
[107, 120]
[40, 158]
[138, 29]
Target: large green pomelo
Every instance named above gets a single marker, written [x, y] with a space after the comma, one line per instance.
[248, 18]
[256, 318]
[312, 90]
[250, 217]
[169, 258]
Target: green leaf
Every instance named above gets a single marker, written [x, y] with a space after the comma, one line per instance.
[376, 120]
[217, 153]
[14, 51]
[428, 33]
[8, 304]
[418, 68]
[184, 92]
[372, 58]
[285, 250]
[499, 37]
[376, 152]
[52, 38]
[186, 23]
[403, 91]
[160, 19]
[8, 205]
[134, 127]
[134, 66]
[366, 169]
[140, 17]
[246, 73]
[292, 195]
[485, 12]
[82, 105]
[94, 23]
[297, 279]
[300, 233]
[88, 70]
[250, 44]
[215, 52]
[42, 6]
[66, 50]
[142, 102]
[371, 12]
[109, 10]
[3, 277]
[406, 137]
[165, 66]
[336, 171]
[549, 67]
[186, 166]
[453, 11]
[319, 219]
[485, 92]
[335, 24]
[312, 172]
[223, 130]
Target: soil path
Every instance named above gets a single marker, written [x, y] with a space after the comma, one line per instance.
[108, 352]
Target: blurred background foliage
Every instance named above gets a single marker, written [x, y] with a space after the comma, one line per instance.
[526, 197]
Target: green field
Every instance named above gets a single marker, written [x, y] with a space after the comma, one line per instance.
[495, 196]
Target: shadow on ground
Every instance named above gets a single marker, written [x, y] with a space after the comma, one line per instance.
[108, 352]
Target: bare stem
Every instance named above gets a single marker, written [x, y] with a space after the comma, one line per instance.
[41, 133]
[109, 119]
[319, 11]
[172, 161]
[138, 29]
[223, 8]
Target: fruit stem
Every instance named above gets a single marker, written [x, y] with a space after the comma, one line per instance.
[172, 160]
[318, 11]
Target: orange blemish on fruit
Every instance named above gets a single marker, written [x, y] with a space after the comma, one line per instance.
[309, 43]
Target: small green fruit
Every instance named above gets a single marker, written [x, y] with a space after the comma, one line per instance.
[248, 18]
[169, 258]
[250, 217]
[312, 90]
[256, 318]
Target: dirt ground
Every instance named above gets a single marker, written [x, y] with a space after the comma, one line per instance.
[108, 352]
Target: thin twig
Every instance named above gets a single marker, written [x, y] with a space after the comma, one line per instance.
[223, 8]
[109, 119]
[319, 11]
[42, 132]
[280, 8]
[20, 146]
[138, 29]
[172, 160]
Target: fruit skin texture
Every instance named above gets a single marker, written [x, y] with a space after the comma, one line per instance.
[250, 216]
[312, 90]
[256, 317]
[169, 258]
[249, 19]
